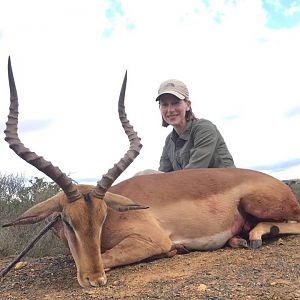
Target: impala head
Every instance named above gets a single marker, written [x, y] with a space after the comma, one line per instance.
[82, 208]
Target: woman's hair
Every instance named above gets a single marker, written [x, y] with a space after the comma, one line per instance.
[189, 116]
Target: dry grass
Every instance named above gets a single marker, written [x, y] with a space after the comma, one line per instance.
[17, 195]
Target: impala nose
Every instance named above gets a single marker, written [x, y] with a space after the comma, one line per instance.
[92, 281]
[98, 281]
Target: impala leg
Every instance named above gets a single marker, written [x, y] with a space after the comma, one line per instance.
[175, 249]
[273, 228]
[133, 249]
[180, 249]
[237, 242]
[169, 254]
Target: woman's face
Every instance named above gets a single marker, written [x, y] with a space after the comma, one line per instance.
[173, 111]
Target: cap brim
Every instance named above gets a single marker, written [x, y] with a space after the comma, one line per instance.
[178, 95]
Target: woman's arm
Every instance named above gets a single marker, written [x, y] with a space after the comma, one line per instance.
[165, 164]
[205, 142]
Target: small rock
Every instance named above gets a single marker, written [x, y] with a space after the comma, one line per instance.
[280, 241]
[93, 293]
[202, 287]
[280, 281]
[20, 265]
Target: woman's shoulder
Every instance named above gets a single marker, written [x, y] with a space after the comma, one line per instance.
[202, 123]
[203, 127]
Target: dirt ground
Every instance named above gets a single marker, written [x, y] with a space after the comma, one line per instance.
[271, 272]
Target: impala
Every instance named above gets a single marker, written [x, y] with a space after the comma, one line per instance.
[106, 226]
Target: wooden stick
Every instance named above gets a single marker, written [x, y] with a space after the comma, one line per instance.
[29, 246]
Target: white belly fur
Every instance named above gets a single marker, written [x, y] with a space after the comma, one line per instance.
[212, 242]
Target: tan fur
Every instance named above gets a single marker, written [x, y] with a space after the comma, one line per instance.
[190, 209]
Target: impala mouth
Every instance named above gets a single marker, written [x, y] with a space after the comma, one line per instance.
[92, 281]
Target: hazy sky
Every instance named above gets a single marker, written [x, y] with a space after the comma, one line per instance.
[240, 60]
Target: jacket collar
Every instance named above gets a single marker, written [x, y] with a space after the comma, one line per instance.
[185, 134]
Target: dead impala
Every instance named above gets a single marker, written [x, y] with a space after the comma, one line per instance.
[200, 209]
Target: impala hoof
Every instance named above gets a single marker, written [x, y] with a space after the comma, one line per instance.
[237, 242]
[274, 230]
[255, 244]
[243, 243]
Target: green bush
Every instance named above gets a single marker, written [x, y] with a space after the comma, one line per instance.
[18, 194]
[296, 188]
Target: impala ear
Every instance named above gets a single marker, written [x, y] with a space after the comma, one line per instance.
[121, 203]
[38, 212]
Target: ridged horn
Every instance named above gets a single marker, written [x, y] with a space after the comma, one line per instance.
[135, 146]
[12, 138]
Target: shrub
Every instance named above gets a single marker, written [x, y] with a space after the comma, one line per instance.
[18, 194]
[296, 188]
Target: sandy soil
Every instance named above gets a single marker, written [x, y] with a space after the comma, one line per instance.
[271, 272]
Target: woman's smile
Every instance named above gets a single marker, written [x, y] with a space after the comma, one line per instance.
[173, 111]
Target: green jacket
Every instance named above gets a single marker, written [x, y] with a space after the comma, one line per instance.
[200, 145]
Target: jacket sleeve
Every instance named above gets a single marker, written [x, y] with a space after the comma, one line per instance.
[205, 142]
[165, 164]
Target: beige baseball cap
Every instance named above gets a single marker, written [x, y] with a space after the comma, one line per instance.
[174, 87]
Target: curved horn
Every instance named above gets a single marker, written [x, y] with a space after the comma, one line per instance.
[134, 150]
[11, 136]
